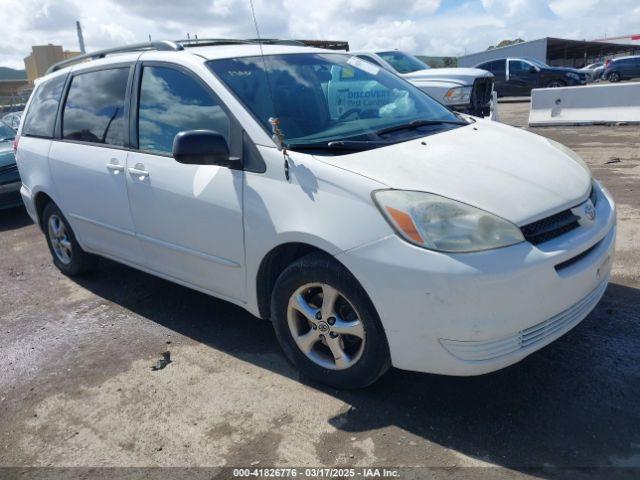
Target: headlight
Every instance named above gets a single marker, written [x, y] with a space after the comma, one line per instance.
[458, 95]
[573, 76]
[438, 223]
[567, 151]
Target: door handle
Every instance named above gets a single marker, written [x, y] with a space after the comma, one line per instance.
[138, 172]
[115, 168]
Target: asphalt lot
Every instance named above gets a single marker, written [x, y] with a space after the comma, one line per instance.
[77, 389]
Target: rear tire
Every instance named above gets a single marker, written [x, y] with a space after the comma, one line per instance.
[339, 342]
[67, 254]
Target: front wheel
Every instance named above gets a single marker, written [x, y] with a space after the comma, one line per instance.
[67, 254]
[614, 77]
[326, 324]
[555, 84]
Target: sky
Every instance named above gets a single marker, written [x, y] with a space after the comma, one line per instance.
[425, 27]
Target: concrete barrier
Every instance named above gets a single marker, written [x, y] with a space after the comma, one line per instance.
[586, 105]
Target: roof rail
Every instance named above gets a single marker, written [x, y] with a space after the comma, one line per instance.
[204, 42]
[163, 45]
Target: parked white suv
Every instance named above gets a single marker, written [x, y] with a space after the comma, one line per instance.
[402, 234]
[467, 90]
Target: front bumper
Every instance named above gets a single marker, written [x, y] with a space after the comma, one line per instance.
[468, 314]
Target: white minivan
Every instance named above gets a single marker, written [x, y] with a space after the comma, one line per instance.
[392, 233]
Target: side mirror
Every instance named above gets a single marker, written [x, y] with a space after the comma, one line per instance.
[203, 147]
[532, 69]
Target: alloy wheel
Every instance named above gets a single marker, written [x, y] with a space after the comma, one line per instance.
[59, 238]
[325, 326]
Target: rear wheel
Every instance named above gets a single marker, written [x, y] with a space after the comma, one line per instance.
[327, 325]
[67, 254]
[614, 77]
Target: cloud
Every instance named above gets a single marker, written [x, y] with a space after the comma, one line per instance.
[51, 16]
[429, 27]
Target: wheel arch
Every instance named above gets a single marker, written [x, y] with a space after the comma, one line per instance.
[273, 264]
[40, 200]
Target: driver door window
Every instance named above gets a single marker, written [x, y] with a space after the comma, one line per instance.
[171, 102]
[518, 67]
[521, 77]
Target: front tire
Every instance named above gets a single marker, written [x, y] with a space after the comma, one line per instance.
[67, 254]
[326, 324]
[556, 84]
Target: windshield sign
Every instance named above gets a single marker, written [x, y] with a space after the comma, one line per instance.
[325, 98]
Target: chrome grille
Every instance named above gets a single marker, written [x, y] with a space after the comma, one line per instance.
[481, 92]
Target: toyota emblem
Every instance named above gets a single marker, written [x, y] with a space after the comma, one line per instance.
[590, 211]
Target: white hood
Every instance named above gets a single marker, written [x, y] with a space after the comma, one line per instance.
[503, 170]
[462, 76]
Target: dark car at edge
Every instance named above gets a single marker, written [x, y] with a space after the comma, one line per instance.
[622, 68]
[9, 177]
[518, 76]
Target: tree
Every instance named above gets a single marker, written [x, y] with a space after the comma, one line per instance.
[506, 43]
[450, 62]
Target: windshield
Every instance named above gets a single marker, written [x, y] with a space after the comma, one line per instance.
[537, 62]
[327, 97]
[402, 62]
[6, 133]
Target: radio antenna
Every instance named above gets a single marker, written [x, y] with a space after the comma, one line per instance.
[278, 136]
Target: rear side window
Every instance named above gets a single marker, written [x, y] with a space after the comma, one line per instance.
[41, 117]
[171, 102]
[94, 110]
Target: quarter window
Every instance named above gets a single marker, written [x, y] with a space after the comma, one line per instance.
[171, 102]
[94, 110]
[41, 116]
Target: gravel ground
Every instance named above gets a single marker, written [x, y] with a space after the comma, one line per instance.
[77, 388]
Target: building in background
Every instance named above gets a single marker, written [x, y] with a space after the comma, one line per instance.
[555, 51]
[626, 39]
[42, 57]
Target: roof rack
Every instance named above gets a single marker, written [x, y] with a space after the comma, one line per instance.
[177, 45]
[163, 45]
[276, 41]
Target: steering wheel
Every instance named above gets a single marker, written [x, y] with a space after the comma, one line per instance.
[348, 113]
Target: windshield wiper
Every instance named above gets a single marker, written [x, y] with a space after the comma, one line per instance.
[352, 145]
[417, 124]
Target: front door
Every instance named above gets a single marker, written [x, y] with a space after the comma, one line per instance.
[188, 217]
[88, 163]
